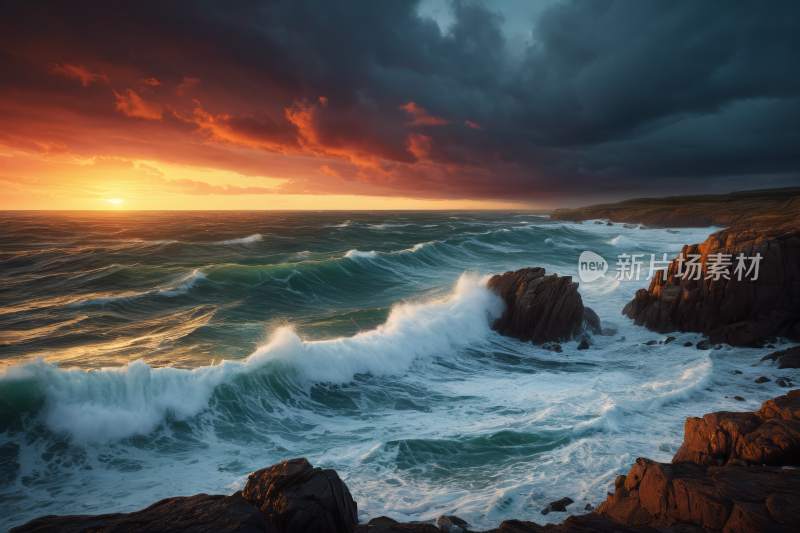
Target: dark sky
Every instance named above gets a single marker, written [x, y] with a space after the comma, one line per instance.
[555, 102]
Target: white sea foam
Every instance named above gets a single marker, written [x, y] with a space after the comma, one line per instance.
[387, 226]
[177, 287]
[244, 240]
[356, 254]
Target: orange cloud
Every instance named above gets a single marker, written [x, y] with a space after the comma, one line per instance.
[188, 83]
[419, 145]
[82, 73]
[421, 116]
[474, 125]
[132, 105]
[148, 84]
[325, 169]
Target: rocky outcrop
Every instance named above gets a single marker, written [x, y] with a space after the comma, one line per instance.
[199, 514]
[729, 475]
[384, 524]
[789, 358]
[300, 498]
[770, 436]
[289, 497]
[541, 308]
[733, 311]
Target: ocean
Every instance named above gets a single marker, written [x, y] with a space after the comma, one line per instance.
[146, 355]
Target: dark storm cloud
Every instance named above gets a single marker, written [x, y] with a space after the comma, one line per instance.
[624, 96]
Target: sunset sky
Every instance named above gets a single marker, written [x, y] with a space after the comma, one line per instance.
[393, 105]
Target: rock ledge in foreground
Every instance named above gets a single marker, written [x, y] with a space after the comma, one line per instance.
[288, 497]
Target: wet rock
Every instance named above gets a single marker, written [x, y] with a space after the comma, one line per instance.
[731, 311]
[552, 346]
[598, 221]
[669, 340]
[771, 436]
[650, 343]
[716, 481]
[588, 507]
[541, 308]
[202, 513]
[717, 346]
[739, 398]
[385, 524]
[558, 506]
[762, 379]
[451, 524]
[299, 498]
[584, 345]
[609, 224]
[789, 358]
[782, 383]
[687, 344]
[737, 371]
[703, 345]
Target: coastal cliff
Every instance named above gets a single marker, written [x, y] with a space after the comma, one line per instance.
[700, 210]
[731, 475]
[733, 311]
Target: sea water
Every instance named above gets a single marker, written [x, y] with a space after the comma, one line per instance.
[146, 355]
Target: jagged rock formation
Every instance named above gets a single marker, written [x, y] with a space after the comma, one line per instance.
[770, 436]
[789, 358]
[694, 211]
[732, 311]
[541, 308]
[727, 475]
[201, 513]
[300, 498]
[289, 497]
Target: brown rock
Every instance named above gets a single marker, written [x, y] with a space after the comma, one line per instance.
[770, 436]
[695, 492]
[789, 358]
[588, 523]
[199, 514]
[729, 310]
[299, 498]
[541, 308]
[385, 524]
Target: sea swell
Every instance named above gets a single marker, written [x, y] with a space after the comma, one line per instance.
[112, 403]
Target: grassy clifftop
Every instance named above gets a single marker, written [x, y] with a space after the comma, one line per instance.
[694, 211]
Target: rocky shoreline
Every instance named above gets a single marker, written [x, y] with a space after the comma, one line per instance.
[733, 474]
[696, 211]
[736, 311]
